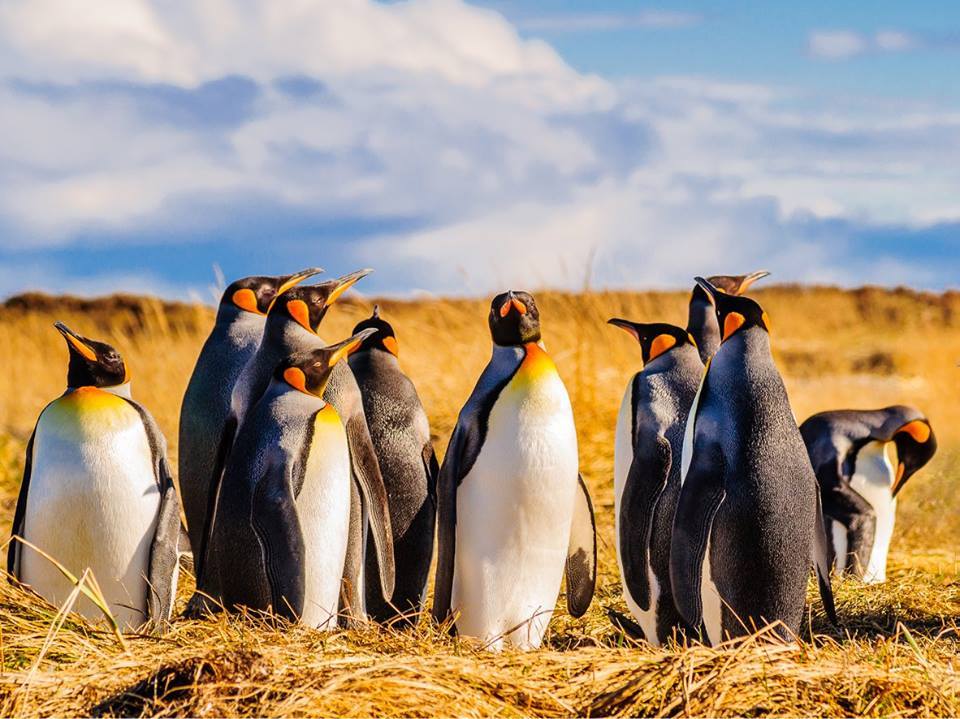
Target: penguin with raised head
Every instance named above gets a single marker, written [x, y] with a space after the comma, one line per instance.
[97, 494]
[233, 340]
[401, 436]
[748, 521]
[291, 327]
[851, 454]
[514, 514]
[281, 531]
[702, 317]
[648, 447]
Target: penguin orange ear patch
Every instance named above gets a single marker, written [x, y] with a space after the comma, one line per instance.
[392, 347]
[82, 348]
[732, 322]
[660, 344]
[295, 377]
[298, 310]
[246, 300]
[917, 429]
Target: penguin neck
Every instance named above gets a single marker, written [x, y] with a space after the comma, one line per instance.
[279, 388]
[120, 390]
[284, 336]
[749, 348]
[702, 324]
[375, 357]
[672, 359]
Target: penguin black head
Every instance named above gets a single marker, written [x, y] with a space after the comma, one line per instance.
[92, 363]
[310, 371]
[514, 318]
[655, 338]
[734, 313]
[307, 305]
[256, 294]
[383, 337]
[916, 445]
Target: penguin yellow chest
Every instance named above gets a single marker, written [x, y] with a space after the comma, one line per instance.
[514, 510]
[92, 502]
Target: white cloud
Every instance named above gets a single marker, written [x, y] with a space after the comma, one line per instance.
[598, 21]
[836, 44]
[894, 41]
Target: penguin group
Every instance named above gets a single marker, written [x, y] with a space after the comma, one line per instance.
[311, 490]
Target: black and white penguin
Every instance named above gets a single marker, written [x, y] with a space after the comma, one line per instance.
[748, 521]
[281, 531]
[851, 454]
[513, 510]
[648, 446]
[97, 494]
[401, 436]
[702, 318]
[235, 337]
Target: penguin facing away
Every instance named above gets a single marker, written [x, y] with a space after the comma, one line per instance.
[281, 532]
[748, 521]
[850, 452]
[401, 436]
[514, 514]
[702, 317]
[649, 442]
[97, 493]
[234, 338]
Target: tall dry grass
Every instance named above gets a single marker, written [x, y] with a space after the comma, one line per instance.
[896, 653]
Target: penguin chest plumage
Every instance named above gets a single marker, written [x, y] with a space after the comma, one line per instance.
[873, 479]
[515, 508]
[323, 508]
[92, 502]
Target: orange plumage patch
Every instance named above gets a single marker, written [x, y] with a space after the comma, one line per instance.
[732, 322]
[298, 310]
[392, 347]
[661, 344]
[246, 300]
[918, 429]
[295, 377]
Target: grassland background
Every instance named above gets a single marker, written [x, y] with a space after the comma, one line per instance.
[896, 652]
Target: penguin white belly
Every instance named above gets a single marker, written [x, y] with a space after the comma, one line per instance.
[873, 479]
[839, 535]
[514, 512]
[710, 601]
[323, 507]
[92, 503]
[622, 459]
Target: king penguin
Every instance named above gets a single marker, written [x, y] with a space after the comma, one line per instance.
[648, 446]
[850, 452]
[291, 327]
[748, 521]
[206, 404]
[513, 510]
[97, 494]
[401, 436]
[702, 318]
[281, 532]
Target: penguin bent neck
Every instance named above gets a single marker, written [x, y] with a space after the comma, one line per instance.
[873, 479]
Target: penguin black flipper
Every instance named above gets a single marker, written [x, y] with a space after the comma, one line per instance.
[15, 547]
[216, 483]
[581, 565]
[701, 494]
[842, 503]
[821, 563]
[646, 480]
[432, 469]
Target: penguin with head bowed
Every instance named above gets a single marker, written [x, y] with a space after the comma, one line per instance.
[281, 531]
[513, 513]
[206, 404]
[748, 521]
[851, 454]
[702, 319]
[97, 494]
[649, 442]
[401, 436]
[291, 327]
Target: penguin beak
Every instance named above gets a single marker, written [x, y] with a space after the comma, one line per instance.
[342, 349]
[296, 279]
[625, 325]
[512, 303]
[900, 479]
[77, 342]
[345, 283]
[750, 279]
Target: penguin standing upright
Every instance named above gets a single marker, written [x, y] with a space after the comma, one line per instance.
[97, 494]
[281, 531]
[702, 319]
[748, 521]
[513, 510]
[401, 436]
[291, 327]
[206, 404]
[649, 443]
[850, 452]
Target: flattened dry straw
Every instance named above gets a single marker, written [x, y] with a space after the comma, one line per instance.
[895, 655]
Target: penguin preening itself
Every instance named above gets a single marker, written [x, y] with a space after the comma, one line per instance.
[648, 447]
[97, 493]
[513, 510]
[702, 317]
[748, 521]
[850, 453]
[281, 531]
[291, 327]
[401, 436]
[234, 338]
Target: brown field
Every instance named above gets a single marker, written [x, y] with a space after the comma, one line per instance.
[897, 652]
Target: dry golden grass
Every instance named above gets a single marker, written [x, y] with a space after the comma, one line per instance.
[896, 653]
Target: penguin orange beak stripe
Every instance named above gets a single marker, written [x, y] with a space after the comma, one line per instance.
[296, 279]
[298, 310]
[345, 283]
[246, 300]
[515, 304]
[75, 340]
[898, 481]
[346, 349]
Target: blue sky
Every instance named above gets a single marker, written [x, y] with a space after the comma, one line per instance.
[464, 147]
